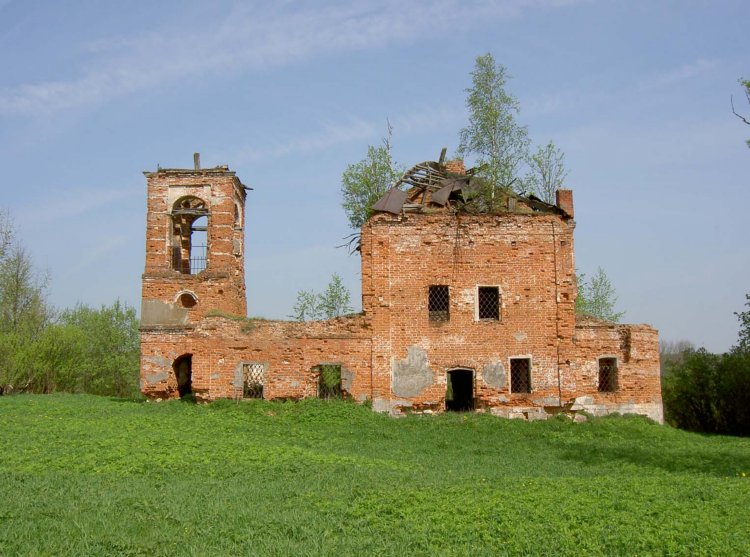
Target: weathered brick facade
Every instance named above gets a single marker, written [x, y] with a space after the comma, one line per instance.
[460, 310]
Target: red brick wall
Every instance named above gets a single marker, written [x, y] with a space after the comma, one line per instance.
[530, 258]
[393, 354]
[288, 350]
[636, 350]
[222, 286]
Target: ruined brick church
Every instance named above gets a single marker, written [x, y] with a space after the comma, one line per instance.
[463, 308]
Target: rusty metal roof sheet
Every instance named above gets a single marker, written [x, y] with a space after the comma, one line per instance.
[392, 202]
[449, 185]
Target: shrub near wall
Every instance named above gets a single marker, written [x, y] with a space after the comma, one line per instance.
[709, 393]
[86, 350]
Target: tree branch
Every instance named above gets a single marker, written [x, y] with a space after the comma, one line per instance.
[731, 100]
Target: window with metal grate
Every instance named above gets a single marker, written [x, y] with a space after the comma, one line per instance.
[253, 378]
[439, 303]
[607, 375]
[520, 375]
[488, 302]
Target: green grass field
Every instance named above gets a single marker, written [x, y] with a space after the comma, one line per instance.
[81, 475]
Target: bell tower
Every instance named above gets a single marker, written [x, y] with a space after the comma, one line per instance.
[194, 246]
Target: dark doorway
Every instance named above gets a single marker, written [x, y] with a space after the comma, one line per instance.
[183, 371]
[459, 395]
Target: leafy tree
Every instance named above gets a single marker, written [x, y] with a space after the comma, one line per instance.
[744, 317]
[746, 86]
[673, 352]
[110, 358]
[307, 307]
[6, 234]
[333, 302]
[366, 181]
[597, 297]
[500, 144]
[686, 389]
[84, 350]
[711, 392]
[49, 361]
[547, 172]
[23, 310]
[22, 302]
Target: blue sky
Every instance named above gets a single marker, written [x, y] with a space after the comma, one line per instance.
[92, 93]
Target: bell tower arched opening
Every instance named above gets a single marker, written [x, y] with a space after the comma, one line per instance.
[189, 235]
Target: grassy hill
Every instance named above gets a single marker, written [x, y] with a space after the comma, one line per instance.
[82, 475]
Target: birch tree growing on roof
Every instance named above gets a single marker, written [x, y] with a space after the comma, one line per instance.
[597, 297]
[547, 172]
[366, 181]
[499, 142]
[335, 301]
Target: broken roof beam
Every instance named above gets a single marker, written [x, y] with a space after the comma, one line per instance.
[419, 183]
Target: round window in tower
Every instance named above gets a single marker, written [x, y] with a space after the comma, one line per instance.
[187, 300]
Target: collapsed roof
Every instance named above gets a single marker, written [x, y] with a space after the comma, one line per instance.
[432, 185]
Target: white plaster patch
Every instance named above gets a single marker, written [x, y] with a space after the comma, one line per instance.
[466, 296]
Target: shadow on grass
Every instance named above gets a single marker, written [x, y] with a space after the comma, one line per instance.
[711, 461]
[128, 400]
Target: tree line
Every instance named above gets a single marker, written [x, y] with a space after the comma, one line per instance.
[709, 393]
[78, 350]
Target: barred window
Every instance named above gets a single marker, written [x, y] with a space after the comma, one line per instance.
[329, 381]
[488, 302]
[607, 375]
[439, 303]
[520, 375]
[253, 377]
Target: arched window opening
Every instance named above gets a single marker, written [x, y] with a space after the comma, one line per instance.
[189, 235]
[199, 245]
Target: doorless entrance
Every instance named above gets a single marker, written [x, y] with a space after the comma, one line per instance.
[459, 395]
[183, 372]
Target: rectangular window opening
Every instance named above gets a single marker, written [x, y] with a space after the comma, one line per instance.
[488, 302]
[253, 375]
[607, 375]
[329, 381]
[520, 375]
[439, 303]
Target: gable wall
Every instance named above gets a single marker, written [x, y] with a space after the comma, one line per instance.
[530, 259]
